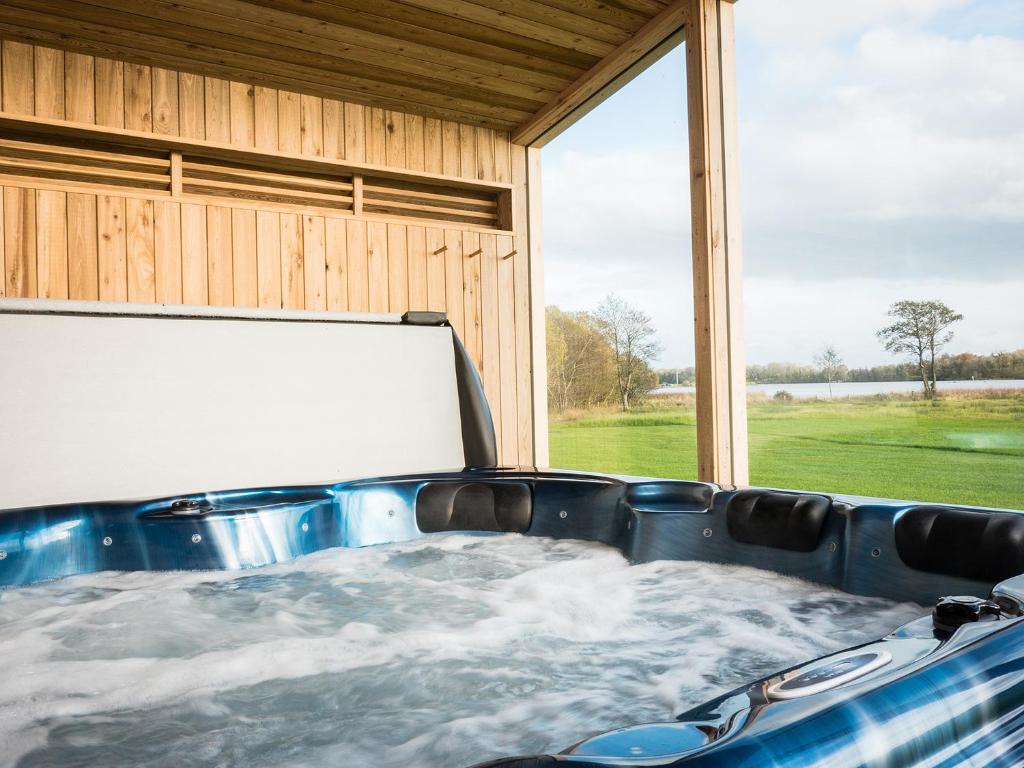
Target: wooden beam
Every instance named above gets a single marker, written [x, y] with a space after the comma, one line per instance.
[717, 247]
[539, 362]
[615, 69]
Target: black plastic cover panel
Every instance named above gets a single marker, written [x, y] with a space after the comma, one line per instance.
[984, 546]
[459, 506]
[776, 519]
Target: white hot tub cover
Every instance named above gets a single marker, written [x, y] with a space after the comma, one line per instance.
[103, 401]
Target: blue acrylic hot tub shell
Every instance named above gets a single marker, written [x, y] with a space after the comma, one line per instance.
[942, 699]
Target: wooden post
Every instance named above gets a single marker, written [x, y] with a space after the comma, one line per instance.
[539, 362]
[717, 244]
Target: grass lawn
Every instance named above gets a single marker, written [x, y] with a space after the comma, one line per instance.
[956, 450]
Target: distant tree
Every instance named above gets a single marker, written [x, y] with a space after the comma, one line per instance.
[830, 364]
[580, 369]
[630, 335]
[920, 329]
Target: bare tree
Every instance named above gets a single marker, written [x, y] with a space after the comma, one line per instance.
[631, 336]
[830, 364]
[579, 361]
[921, 328]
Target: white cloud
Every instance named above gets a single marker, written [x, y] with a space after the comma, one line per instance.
[882, 158]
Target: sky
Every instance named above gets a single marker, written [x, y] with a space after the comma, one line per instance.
[881, 158]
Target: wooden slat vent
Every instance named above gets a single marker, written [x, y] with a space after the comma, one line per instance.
[217, 176]
[84, 162]
[209, 177]
[481, 208]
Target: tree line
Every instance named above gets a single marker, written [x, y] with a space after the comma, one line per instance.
[604, 357]
[601, 357]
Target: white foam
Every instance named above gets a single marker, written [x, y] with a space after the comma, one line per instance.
[446, 651]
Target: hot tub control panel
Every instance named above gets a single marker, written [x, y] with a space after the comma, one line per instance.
[829, 673]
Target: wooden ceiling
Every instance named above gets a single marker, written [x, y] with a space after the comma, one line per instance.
[518, 65]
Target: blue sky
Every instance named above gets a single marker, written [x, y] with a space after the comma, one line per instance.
[882, 157]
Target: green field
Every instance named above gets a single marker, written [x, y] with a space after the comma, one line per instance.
[956, 450]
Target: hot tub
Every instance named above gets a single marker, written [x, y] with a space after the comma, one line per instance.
[826, 630]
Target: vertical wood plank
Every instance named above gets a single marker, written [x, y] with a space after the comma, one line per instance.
[377, 264]
[417, 247]
[490, 329]
[167, 246]
[433, 160]
[398, 269]
[394, 139]
[194, 255]
[312, 126]
[355, 133]
[18, 65]
[531, 347]
[293, 288]
[358, 267]
[436, 298]
[337, 265]
[450, 151]
[83, 269]
[315, 251]
[165, 102]
[191, 106]
[720, 366]
[508, 328]
[266, 121]
[502, 158]
[334, 129]
[218, 255]
[485, 154]
[242, 98]
[414, 145]
[79, 88]
[49, 83]
[289, 122]
[467, 151]
[138, 97]
[20, 242]
[217, 97]
[3, 264]
[112, 247]
[376, 130]
[141, 250]
[268, 255]
[51, 242]
[245, 287]
[471, 302]
[453, 280]
[109, 92]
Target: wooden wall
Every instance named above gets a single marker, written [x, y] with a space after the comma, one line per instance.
[66, 241]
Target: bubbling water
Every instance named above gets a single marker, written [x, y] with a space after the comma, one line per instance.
[440, 652]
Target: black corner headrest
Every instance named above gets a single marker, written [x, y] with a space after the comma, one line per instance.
[777, 519]
[984, 546]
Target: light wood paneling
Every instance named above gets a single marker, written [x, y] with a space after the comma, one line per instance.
[167, 252]
[51, 244]
[91, 242]
[83, 269]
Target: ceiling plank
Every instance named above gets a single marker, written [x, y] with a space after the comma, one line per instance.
[34, 35]
[262, 45]
[203, 55]
[304, 34]
[605, 12]
[467, 33]
[653, 34]
[549, 13]
[526, 25]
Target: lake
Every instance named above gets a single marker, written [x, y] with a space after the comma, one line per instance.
[855, 388]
